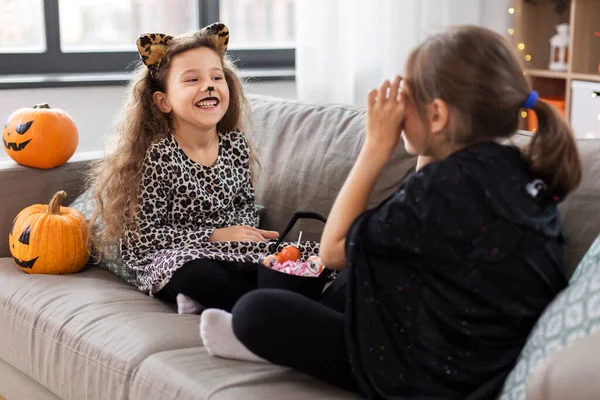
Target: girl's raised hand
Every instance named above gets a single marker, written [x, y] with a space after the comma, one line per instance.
[385, 116]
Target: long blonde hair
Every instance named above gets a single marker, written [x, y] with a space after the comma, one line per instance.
[116, 179]
[477, 73]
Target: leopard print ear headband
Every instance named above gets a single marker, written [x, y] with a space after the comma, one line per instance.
[152, 47]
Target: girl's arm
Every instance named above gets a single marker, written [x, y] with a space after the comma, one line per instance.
[385, 113]
[244, 222]
[245, 210]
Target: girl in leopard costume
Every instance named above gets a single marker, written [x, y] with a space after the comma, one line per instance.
[178, 188]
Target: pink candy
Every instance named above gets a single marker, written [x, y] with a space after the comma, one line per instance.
[312, 267]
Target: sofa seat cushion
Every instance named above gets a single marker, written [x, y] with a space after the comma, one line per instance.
[83, 335]
[190, 374]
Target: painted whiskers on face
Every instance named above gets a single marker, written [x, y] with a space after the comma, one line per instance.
[197, 94]
[210, 101]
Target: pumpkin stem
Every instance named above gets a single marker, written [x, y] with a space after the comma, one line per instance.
[41, 105]
[54, 206]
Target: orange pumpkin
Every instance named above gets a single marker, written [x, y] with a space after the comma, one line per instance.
[40, 137]
[49, 239]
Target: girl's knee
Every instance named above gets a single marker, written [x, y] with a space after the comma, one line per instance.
[254, 313]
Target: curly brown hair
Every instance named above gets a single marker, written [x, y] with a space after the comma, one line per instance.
[477, 73]
[115, 179]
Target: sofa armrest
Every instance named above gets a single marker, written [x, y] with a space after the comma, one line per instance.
[571, 373]
[23, 186]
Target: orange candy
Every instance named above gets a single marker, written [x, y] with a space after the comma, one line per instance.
[289, 253]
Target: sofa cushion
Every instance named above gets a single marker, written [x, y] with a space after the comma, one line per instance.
[14, 384]
[82, 335]
[111, 260]
[306, 152]
[572, 315]
[571, 373]
[581, 210]
[190, 374]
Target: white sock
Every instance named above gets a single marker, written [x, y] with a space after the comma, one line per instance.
[187, 305]
[218, 337]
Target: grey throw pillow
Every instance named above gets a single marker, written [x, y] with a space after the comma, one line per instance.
[572, 315]
[112, 260]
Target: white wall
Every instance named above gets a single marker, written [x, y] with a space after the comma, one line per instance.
[94, 108]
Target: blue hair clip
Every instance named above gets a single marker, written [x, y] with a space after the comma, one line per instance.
[531, 99]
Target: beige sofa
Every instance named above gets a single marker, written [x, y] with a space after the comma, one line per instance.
[93, 336]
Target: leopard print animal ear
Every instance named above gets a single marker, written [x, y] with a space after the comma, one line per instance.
[219, 34]
[152, 48]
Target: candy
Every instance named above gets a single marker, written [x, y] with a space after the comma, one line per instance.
[290, 253]
[271, 261]
[310, 268]
[315, 266]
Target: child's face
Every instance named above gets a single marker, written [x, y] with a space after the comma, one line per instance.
[191, 75]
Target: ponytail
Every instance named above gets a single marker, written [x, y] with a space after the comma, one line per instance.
[553, 151]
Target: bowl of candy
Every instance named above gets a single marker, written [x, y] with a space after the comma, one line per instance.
[286, 270]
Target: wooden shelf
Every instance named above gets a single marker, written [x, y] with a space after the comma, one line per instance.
[546, 73]
[535, 23]
[585, 77]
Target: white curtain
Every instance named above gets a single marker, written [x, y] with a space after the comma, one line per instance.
[347, 47]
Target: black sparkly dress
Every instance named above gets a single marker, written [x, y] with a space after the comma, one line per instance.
[448, 276]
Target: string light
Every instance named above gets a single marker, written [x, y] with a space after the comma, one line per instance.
[520, 46]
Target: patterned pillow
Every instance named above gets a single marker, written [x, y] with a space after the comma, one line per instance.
[572, 315]
[112, 260]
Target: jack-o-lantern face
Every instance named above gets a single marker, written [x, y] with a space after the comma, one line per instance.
[24, 240]
[49, 239]
[40, 137]
[20, 129]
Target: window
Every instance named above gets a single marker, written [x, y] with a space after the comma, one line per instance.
[86, 36]
[114, 25]
[22, 26]
[263, 23]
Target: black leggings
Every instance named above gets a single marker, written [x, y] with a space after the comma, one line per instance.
[291, 330]
[214, 284]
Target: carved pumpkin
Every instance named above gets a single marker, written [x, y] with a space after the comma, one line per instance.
[40, 137]
[49, 239]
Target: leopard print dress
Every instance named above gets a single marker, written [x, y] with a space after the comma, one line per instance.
[181, 202]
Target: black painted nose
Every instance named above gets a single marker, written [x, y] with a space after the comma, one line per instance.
[210, 88]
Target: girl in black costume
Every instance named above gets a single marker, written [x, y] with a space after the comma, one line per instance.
[449, 274]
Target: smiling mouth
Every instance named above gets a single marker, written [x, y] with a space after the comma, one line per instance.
[15, 146]
[25, 264]
[208, 102]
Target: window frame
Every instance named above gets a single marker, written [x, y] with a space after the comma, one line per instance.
[54, 61]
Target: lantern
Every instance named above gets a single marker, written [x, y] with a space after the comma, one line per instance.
[559, 49]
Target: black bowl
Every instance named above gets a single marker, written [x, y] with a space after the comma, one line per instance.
[309, 286]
